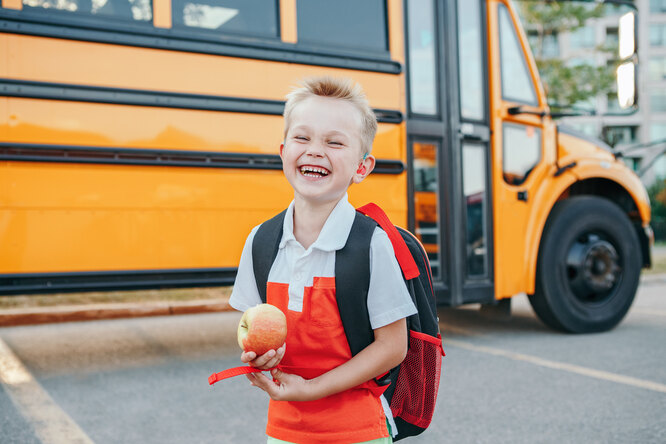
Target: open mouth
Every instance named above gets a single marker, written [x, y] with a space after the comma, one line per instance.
[312, 171]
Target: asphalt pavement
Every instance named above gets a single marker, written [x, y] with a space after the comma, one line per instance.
[504, 380]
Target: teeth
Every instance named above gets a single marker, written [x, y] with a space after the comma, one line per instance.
[311, 171]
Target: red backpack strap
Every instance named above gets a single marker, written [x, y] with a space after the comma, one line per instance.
[230, 373]
[409, 268]
[265, 248]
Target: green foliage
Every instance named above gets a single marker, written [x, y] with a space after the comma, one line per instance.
[657, 193]
[569, 85]
[551, 17]
[565, 85]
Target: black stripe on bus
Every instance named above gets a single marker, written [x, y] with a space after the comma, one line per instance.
[90, 29]
[155, 157]
[162, 99]
[33, 283]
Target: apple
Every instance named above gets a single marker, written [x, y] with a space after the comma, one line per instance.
[262, 328]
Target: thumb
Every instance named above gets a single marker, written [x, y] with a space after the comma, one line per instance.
[277, 374]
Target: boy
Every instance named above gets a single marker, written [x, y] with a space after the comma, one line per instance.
[319, 392]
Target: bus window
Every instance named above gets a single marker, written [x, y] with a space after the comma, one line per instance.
[474, 187]
[521, 151]
[131, 10]
[244, 17]
[347, 24]
[470, 61]
[517, 85]
[422, 58]
[426, 198]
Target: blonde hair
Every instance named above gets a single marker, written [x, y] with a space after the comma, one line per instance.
[335, 88]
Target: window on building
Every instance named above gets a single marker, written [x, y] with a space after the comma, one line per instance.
[658, 34]
[242, 17]
[582, 38]
[620, 135]
[657, 5]
[343, 24]
[548, 47]
[658, 101]
[578, 61]
[612, 37]
[657, 68]
[612, 105]
[659, 167]
[632, 162]
[587, 128]
[128, 10]
[658, 131]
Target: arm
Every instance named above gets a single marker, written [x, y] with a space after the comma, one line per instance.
[388, 350]
[245, 295]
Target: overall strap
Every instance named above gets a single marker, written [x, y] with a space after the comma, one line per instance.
[352, 281]
[265, 246]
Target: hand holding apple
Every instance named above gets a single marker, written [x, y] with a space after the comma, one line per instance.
[262, 328]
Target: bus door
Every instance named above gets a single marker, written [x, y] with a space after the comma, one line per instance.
[448, 140]
[520, 134]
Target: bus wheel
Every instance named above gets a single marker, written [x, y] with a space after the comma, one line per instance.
[588, 266]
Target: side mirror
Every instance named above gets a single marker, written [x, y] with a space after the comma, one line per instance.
[627, 35]
[626, 72]
[626, 85]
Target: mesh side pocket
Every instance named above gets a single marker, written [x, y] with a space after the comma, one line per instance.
[418, 380]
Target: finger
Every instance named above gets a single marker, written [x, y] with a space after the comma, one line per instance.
[261, 361]
[282, 350]
[264, 383]
[273, 362]
[279, 375]
[279, 354]
[248, 356]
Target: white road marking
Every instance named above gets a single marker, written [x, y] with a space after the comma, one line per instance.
[592, 373]
[51, 424]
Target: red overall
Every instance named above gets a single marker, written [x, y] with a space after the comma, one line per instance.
[316, 343]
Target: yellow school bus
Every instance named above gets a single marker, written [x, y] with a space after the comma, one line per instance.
[139, 145]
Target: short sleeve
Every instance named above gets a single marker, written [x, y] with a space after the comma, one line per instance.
[388, 298]
[245, 294]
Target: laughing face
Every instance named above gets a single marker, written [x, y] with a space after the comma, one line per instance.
[322, 151]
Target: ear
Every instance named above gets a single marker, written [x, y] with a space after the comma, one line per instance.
[281, 149]
[364, 169]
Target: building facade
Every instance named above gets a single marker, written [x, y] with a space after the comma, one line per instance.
[648, 123]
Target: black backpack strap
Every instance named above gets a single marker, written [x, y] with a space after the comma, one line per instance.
[265, 246]
[352, 281]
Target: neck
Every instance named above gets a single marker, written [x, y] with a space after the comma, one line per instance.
[309, 219]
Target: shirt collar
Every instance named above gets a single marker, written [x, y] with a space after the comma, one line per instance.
[334, 233]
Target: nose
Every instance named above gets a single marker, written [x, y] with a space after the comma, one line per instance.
[315, 149]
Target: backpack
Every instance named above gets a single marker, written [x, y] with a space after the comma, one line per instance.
[414, 383]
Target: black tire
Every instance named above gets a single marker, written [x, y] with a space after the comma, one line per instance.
[588, 267]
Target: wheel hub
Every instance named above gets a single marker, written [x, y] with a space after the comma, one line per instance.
[593, 267]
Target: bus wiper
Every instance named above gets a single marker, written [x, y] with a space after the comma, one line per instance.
[520, 110]
[572, 113]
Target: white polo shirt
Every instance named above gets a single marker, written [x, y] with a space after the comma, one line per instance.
[388, 299]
